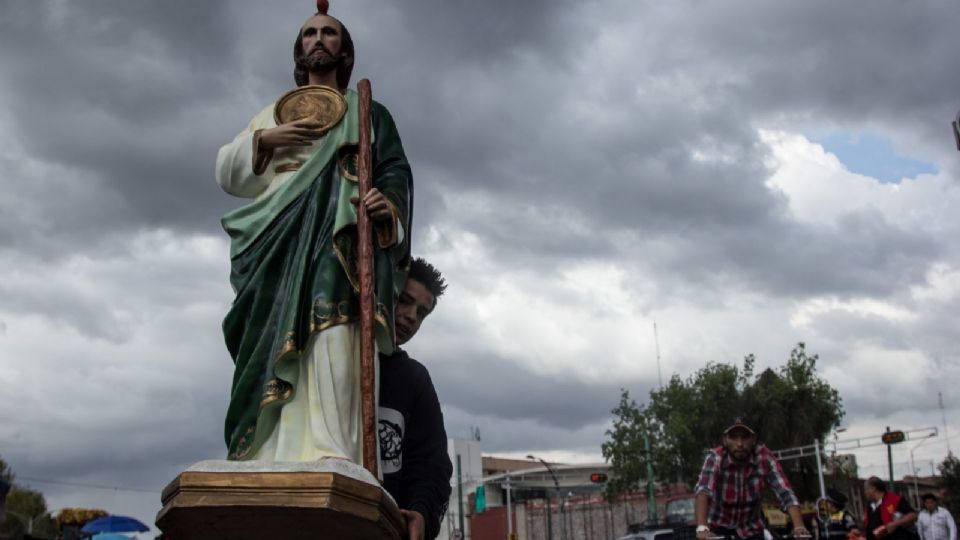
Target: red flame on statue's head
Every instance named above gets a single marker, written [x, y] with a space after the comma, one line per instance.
[323, 6]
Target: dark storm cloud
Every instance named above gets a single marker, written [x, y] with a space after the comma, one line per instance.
[140, 95]
[732, 68]
[481, 93]
[863, 254]
[488, 385]
[119, 99]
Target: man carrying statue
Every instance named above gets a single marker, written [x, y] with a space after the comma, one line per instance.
[293, 328]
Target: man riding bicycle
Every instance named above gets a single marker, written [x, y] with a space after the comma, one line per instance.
[729, 492]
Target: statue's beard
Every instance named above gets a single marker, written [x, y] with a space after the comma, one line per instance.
[320, 63]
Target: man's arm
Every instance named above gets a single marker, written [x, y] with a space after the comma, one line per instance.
[701, 504]
[908, 516]
[778, 482]
[706, 485]
[951, 524]
[799, 528]
[416, 525]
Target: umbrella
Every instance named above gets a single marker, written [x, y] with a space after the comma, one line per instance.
[114, 524]
[110, 536]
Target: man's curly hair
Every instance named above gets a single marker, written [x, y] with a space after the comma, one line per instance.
[429, 276]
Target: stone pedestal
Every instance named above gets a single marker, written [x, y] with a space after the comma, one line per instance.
[332, 498]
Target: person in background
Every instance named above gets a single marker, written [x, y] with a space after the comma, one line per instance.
[839, 522]
[888, 516]
[935, 522]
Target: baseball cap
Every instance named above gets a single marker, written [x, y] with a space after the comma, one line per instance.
[740, 422]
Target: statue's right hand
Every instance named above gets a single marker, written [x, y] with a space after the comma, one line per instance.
[296, 133]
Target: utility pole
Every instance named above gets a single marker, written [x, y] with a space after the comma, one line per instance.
[509, 510]
[656, 341]
[546, 514]
[943, 416]
[913, 471]
[823, 489]
[556, 484]
[460, 497]
[890, 461]
[651, 491]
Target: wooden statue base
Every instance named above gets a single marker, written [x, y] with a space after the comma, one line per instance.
[284, 501]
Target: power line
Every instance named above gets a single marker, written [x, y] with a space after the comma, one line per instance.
[92, 486]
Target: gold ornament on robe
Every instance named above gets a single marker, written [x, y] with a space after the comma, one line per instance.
[316, 103]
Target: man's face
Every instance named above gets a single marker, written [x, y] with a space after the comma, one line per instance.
[739, 443]
[321, 36]
[414, 304]
[930, 504]
[872, 494]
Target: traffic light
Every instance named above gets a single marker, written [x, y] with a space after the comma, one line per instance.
[598, 478]
[893, 437]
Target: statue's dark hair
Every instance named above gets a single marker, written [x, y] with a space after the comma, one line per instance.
[429, 276]
[344, 70]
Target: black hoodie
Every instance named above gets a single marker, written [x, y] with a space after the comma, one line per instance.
[413, 442]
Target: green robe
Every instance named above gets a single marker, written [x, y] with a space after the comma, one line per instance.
[293, 267]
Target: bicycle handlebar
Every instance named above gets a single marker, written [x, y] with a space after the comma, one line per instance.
[791, 535]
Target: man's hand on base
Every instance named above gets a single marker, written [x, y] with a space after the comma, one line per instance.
[415, 524]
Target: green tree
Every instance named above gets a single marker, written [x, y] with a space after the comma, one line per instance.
[26, 510]
[950, 483]
[625, 450]
[791, 406]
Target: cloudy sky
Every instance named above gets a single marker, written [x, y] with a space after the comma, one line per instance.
[747, 174]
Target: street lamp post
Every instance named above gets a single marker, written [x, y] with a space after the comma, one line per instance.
[556, 484]
[913, 469]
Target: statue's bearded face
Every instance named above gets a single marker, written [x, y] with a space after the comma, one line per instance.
[322, 37]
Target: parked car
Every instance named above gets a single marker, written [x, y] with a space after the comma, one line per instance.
[680, 517]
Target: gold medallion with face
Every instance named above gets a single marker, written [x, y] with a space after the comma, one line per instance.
[320, 104]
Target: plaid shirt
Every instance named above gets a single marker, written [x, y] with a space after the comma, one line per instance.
[735, 490]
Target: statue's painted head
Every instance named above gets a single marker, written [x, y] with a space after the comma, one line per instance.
[321, 33]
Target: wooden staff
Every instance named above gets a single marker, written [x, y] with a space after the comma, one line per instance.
[368, 384]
